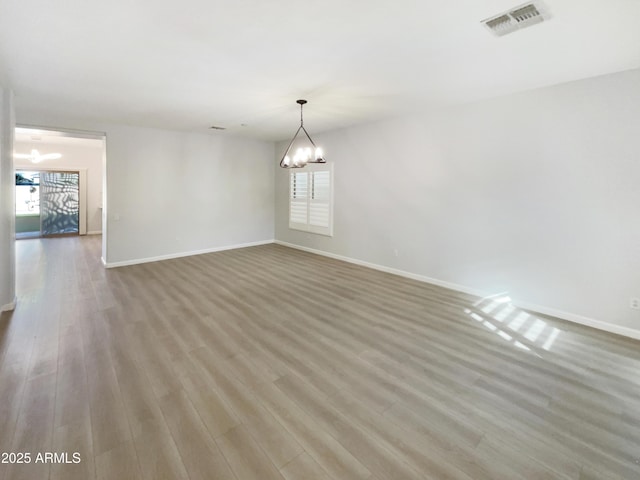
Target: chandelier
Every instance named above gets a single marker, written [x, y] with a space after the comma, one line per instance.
[303, 155]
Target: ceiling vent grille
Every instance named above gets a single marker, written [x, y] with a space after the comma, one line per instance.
[516, 18]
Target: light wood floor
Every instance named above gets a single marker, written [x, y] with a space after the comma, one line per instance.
[270, 363]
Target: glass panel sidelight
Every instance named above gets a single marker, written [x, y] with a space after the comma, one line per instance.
[59, 211]
[27, 193]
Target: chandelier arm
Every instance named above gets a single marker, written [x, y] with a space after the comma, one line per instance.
[307, 134]
[291, 143]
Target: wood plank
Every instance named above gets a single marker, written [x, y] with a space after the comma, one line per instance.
[118, 463]
[247, 459]
[200, 455]
[331, 455]
[74, 438]
[303, 467]
[34, 428]
[279, 444]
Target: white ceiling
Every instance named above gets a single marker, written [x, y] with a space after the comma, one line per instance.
[46, 140]
[195, 63]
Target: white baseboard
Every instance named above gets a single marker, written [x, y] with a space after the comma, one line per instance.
[9, 306]
[182, 254]
[94, 232]
[383, 268]
[571, 317]
[582, 320]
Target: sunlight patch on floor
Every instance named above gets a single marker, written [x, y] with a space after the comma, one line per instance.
[527, 332]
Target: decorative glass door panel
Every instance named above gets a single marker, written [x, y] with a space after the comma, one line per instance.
[59, 208]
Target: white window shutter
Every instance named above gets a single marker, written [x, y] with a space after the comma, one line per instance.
[311, 200]
[298, 199]
[320, 199]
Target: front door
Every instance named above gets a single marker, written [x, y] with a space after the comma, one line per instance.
[59, 203]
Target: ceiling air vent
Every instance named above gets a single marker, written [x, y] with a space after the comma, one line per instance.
[516, 18]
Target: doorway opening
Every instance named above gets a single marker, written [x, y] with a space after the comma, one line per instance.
[60, 182]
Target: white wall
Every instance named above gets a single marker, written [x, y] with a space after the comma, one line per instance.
[171, 193]
[537, 194]
[178, 192]
[7, 203]
[80, 156]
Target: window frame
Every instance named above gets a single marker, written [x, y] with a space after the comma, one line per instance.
[309, 170]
